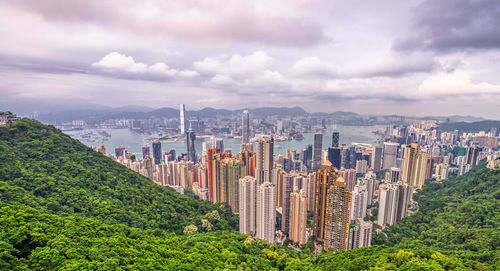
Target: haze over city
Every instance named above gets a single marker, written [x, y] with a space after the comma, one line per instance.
[372, 57]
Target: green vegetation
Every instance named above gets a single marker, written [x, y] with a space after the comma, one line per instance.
[65, 207]
[31, 240]
[45, 169]
[458, 217]
[470, 127]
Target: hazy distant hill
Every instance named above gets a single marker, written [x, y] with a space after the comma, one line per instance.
[470, 127]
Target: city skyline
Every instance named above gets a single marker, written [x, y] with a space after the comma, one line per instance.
[308, 54]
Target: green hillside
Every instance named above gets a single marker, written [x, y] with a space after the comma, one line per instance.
[66, 207]
[459, 217]
[45, 169]
[470, 127]
[31, 240]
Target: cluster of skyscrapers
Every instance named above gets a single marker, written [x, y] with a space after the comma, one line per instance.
[338, 187]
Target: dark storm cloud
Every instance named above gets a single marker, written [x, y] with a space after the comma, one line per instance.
[454, 25]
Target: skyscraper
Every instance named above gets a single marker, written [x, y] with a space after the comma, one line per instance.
[395, 174]
[248, 205]
[286, 189]
[264, 163]
[360, 234]
[316, 156]
[182, 112]
[337, 217]
[393, 203]
[156, 151]
[390, 153]
[414, 165]
[245, 127]
[471, 156]
[335, 139]
[334, 157]
[191, 151]
[266, 212]
[119, 152]
[210, 174]
[145, 152]
[325, 177]
[376, 162]
[359, 202]
[298, 216]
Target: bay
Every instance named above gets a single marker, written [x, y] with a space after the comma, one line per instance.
[133, 142]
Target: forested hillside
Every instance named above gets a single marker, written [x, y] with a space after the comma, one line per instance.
[460, 217]
[45, 169]
[66, 207]
[32, 240]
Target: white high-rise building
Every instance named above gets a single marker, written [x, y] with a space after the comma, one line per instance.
[360, 234]
[393, 203]
[182, 112]
[359, 202]
[247, 204]
[245, 127]
[266, 212]
[298, 216]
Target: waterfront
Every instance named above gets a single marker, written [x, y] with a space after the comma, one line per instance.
[133, 141]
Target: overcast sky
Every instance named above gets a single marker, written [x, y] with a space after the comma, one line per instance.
[371, 57]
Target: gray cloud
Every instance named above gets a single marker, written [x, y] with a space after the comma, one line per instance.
[208, 21]
[454, 25]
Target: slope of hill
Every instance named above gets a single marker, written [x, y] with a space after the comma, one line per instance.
[459, 217]
[32, 240]
[43, 168]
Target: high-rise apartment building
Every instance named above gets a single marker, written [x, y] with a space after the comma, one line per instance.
[266, 212]
[414, 165]
[156, 151]
[471, 155]
[395, 174]
[316, 155]
[338, 214]
[182, 113]
[212, 187]
[298, 216]
[248, 204]
[332, 203]
[264, 163]
[286, 189]
[393, 203]
[390, 154]
[359, 202]
[360, 234]
[245, 127]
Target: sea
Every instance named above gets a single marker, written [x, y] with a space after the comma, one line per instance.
[133, 141]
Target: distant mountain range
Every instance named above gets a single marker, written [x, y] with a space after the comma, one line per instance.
[96, 113]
